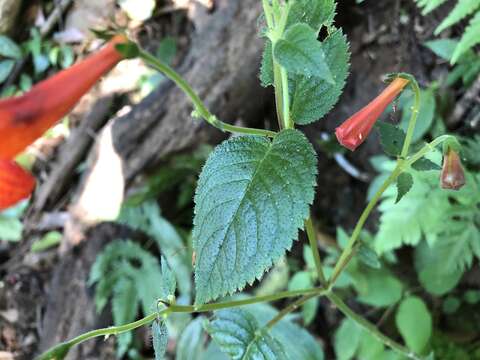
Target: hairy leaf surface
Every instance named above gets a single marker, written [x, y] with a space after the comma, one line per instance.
[315, 97]
[252, 197]
[238, 334]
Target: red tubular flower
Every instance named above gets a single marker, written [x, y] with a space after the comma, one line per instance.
[355, 130]
[25, 118]
[452, 176]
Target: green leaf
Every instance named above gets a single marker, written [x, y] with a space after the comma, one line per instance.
[266, 68]
[315, 13]
[160, 339]
[299, 52]
[347, 339]
[414, 323]
[429, 5]
[391, 138]
[50, 239]
[10, 229]
[297, 342]
[252, 197]
[303, 280]
[190, 343]
[469, 39]
[368, 256]
[128, 50]
[6, 67]
[238, 334]
[124, 310]
[425, 116]
[424, 164]
[382, 289]
[404, 184]
[9, 49]
[314, 97]
[167, 49]
[460, 11]
[451, 304]
[443, 48]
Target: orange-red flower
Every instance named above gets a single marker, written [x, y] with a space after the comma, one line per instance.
[25, 118]
[452, 176]
[355, 130]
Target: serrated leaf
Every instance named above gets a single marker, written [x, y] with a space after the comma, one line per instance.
[9, 49]
[469, 38]
[252, 197]
[368, 256]
[299, 52]
[297, 342]
[311, 12]
[462, 9]
[159, 339]
[266, 68]
[414, 323]
[404, 184]
[314, 97]
[238, 334]
[391, 138]
[429, 5]
[424, 164]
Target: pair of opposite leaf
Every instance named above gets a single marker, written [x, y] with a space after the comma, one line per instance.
[353, 132]
[25, 118]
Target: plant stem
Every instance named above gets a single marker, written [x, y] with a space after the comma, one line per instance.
[368, 326]
[174, 308]
[312, 239]
[413, 118]
[347, 252]
[288, 123]
[200, 107]
[426, 149]
[292, 307]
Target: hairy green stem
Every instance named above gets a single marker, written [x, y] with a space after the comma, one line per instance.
[347, 252]
[312, 239]
[174, 308]
[200, 107]
[287, 121]
[371, 328]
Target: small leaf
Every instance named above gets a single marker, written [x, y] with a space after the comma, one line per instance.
[266, 68]
[469, 38]
[190, 343]
[50, 239]
[6, 67]
[10, 228]
[368, 257]
[312, 12]
[347, 339]
[167, 49]
[414, 323]
[425, 117]
[391, 138]
[451, 304]
[129, 50]
[160, 339]
[460, 11]
[238, 334]
[303, 280]
[381, 289]
[9, 49]
[314, 97]
[404, 184]
[252, 197]
[424, 164]
[299, 52]
[443, 48]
